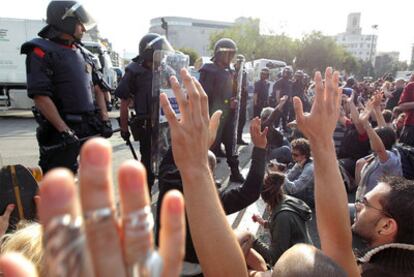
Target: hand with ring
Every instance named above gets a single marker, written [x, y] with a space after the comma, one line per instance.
[85, 235]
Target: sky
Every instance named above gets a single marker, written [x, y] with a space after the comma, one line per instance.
[124, 22]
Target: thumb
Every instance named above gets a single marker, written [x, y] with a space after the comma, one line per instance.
[8, 211]
[297, 104]
[214, 124]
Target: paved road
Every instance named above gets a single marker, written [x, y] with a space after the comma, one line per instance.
[18, 145]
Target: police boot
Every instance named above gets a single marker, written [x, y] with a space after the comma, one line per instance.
[236, 176]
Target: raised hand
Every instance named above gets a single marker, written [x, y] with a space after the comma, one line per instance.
[319, 125]
[195, 132]
[259, 138]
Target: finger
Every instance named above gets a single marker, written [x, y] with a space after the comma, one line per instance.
[297, 104]
[172, 233]
[337, 93]
[8, 211]
[168, 110]
[329, 88]
[193, 98]
[16, 265]
[214, 125]
[36, 199]
[98, 205]
[133, 191]
[319, 89]
[204, 100]
[265, 131]
[180, 96]
[58, 194]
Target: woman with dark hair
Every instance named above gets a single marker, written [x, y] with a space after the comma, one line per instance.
[287, 220]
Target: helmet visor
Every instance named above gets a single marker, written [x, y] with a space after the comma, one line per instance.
[159, 43]
[78, 11]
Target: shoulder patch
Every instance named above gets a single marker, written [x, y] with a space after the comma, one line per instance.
[39, 52]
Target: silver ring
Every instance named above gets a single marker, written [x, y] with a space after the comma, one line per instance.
[151, 266]
[139, 223]
[64, 245]
[98, 215]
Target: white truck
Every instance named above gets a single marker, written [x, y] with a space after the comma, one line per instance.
[13, 33]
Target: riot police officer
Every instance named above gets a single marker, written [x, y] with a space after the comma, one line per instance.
[261, 91]
[217, 80]
[65, 86]
[282, 87]
[243, 98]
[136, 86]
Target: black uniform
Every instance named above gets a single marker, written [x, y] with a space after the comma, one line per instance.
[218, 85]
[261, 89]
[67, 75]
[284, 85]
[137, 84]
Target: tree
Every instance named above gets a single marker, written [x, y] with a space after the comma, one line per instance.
[191, 53]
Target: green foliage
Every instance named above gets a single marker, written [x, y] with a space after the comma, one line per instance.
[313, 52]
[191, 53]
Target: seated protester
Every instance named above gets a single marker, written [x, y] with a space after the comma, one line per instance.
[299, 179]
[355, 142]
[387, 114]
[233, 199]
[385, 160]
[278, 146]
[287, 222]
[406, 104]
[385, 216]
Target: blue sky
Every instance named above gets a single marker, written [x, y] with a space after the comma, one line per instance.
[124, 22]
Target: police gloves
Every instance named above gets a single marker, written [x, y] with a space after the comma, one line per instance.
[125, 135]
[69, 137]
[106, 130]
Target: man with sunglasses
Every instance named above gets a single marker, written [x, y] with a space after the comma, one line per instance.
[299, 179]
[66, 86]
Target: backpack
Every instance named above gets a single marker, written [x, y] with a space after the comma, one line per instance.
[18, 186]
[407, 160]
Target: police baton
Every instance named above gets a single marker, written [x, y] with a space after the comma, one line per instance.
[44, 149]
[131, 147]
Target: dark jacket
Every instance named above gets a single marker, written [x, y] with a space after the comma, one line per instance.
[287, 226]
[388, 260]
[234, 198]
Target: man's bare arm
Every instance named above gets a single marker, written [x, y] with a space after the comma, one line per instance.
[215, 243]
[101, 102]
[50, 112]
[406, 106]
[331, 208]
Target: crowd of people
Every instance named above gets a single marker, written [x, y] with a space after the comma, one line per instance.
[331, 148]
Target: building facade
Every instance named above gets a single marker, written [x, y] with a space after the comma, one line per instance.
[361, 46]
[183, 32]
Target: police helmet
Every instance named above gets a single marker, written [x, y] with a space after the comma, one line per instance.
[63, 16]
[265, 70]
[240, 58]
[150, 43]
[299, 73]
[287, 72]
[224, 45]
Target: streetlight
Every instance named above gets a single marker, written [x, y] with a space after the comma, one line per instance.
[374, 28]
[164, 25]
